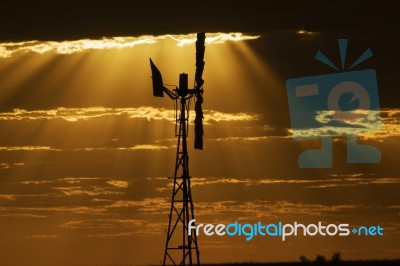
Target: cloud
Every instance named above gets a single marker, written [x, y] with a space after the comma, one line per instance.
[350, 180]
[390, 125]
[102, 224]
[356, 182]
[366, 124]
[54, 210]
[146, 112]
[9, 165]
[34, 182]
[356, 123]
[251, 138]
[69, 47]
[22, 215]
[306, 33]
[147, 205]
[212, 38]
[122, 234]
[148, 147]
[263, 208]
[7, 196]
[43, 236]
[89, 191]
[118, 183]
[110, 227]
[28, 148]
[214, 116]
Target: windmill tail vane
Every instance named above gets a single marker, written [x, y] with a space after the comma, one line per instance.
[158, 86]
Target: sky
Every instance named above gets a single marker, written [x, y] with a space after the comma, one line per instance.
[85, 148]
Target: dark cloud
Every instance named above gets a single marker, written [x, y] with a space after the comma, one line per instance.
[95, 19]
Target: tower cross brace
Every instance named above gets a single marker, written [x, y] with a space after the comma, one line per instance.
[182, 251]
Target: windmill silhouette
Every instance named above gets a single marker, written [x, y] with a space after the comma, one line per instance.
[180, 247]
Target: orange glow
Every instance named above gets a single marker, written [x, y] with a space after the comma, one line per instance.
[85, 150]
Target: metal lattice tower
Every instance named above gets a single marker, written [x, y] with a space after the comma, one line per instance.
[180, 247]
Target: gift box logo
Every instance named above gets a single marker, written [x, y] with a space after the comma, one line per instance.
[342, 103]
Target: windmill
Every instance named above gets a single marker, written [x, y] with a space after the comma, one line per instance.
[180, 247]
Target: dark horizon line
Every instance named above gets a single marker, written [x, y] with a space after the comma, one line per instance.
[366, 262]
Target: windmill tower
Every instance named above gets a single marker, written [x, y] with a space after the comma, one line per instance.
[180, 247]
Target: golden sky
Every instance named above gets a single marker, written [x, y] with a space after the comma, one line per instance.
[85, 150]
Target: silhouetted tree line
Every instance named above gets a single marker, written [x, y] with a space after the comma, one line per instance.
[336, 259]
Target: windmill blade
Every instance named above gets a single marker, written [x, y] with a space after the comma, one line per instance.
[200, 49]
[198, 121]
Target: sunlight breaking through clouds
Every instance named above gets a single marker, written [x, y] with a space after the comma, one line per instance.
[369, 125]
[9, 49]
[343, 181]
[28, 148]
[139, 147]
[147, 112]
[390, 125]
[250, 138]
[211, 38]
[361, 122]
